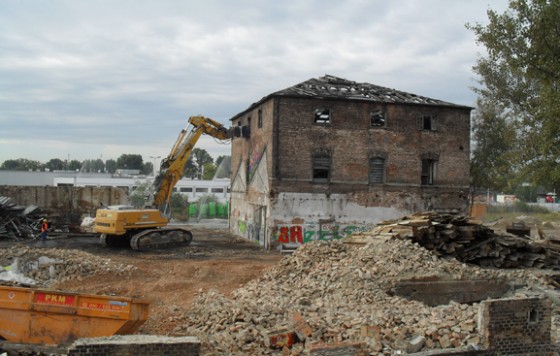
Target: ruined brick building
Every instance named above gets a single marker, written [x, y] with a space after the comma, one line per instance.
[330, 156]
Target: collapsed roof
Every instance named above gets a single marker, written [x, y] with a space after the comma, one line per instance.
[331, 87]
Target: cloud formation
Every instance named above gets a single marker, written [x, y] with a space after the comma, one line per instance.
[99, 78]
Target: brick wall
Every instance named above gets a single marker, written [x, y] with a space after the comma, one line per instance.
[516, 326]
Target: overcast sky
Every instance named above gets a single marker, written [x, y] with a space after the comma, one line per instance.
[95, 79]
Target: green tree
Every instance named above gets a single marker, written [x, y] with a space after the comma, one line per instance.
[55, 164]
[147, 168]
[521, 72]
[93, 166]
[21, 164]
[494, 148]
[199, 157]
[208, 171]
[74, 165]
[130, 161]
[111, 166]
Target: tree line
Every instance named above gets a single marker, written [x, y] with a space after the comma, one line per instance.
[200, 165]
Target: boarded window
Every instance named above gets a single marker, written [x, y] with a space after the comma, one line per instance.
[377, 170]
[428, 171]
[377, 119]
[323, 116]
[321, 168]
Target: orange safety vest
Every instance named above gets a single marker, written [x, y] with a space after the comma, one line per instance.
[45, 227]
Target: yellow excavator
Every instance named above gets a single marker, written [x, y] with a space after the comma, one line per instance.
[148, 228]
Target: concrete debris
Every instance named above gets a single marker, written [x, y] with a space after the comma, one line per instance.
[338, 295]
[47, 267]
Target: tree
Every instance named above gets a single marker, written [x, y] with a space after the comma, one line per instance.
[493, 150]
[111, 166]
[93, 166]
[521, 73]
[74, 165]
[199, 157]
[21, 164]
[208, 171]
[55, 164]
[223, 166]
[130, 161]
[147, 168]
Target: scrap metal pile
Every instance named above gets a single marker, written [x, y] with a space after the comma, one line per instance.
[19, 222]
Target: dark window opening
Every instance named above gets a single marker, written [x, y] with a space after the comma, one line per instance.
[533, 316]
[217, 190]
[377, 119]
[377, 170]
[185, 189]
[321, 169]
[201, 190]
[427, 122]
[323, 116]
[428, 171]
[259, 119]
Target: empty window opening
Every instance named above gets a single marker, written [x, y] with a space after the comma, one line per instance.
[321, 168]
[428, 171]
[185, 189]
[201, 190]
[427, 122]
[377, 119]
[217, 190]
[259, 119]
[323, 116]
[377, 170]
[533, 316]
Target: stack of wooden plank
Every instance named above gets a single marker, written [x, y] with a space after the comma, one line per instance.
[470, 241]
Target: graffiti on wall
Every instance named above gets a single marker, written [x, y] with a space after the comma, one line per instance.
[254, 159]
[301, 234]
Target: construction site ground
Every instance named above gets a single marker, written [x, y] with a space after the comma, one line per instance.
[168, 278]
[337, 286]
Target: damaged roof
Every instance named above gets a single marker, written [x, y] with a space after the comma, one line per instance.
[331, 87]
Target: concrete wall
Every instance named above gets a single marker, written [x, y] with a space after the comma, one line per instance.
[136, 345]
[67, 202]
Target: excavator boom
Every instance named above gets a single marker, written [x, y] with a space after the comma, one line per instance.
[147, 228]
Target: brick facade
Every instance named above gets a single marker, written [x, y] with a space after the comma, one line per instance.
[273, 183]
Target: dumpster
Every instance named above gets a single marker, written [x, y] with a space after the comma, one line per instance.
[42, 316]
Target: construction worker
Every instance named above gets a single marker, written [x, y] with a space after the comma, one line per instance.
[44, 230]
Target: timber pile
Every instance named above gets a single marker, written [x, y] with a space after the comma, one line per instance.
[467, 240]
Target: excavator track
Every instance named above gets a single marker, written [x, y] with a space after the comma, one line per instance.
[161, 238]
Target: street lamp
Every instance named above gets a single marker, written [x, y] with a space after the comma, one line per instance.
[155, 157]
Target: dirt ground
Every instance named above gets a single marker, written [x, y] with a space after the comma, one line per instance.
[170, 279]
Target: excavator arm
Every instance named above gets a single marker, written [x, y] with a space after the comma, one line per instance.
[173, 166]
[149, 227]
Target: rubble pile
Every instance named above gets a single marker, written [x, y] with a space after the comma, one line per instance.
[49, 266]
[469, 241]
[18, 222]
[338, 293]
